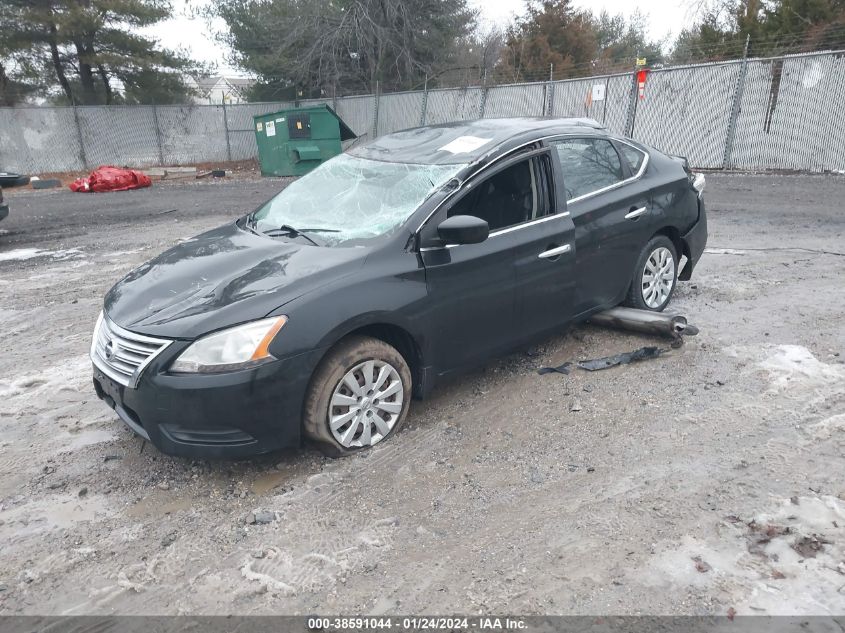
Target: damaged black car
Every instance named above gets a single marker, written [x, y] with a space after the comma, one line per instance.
[363, 284]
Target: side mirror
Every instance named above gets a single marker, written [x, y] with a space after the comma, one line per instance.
[463, 229]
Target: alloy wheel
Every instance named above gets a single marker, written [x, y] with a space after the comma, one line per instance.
[366, 404]
[658, 277]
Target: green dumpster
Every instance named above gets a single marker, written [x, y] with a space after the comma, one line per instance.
[293, 142]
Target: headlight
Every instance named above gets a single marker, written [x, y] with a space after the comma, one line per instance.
[239, 347]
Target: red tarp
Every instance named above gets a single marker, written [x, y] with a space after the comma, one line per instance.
[109, 178]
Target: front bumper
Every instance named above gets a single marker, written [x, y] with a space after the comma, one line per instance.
[236, 414]
[694, 240]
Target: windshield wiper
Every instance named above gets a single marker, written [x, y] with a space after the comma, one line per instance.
[287, 229]
[249, 223]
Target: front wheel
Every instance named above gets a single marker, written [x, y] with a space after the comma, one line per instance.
[655, 276]
[358, 396]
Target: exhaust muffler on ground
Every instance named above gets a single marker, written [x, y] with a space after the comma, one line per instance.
[646, 322]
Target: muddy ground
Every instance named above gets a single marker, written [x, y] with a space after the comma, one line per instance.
[706, 480]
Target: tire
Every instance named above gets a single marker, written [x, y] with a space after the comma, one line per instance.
[13, 180]
[648, 295]
[351, 360]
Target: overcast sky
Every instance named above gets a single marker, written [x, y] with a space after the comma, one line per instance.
[664, 18]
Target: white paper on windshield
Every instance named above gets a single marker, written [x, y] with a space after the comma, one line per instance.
[464, 144]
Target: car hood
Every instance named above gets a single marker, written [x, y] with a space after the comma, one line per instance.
[222, 278]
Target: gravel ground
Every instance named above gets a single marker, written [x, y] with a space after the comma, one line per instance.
[706, 480]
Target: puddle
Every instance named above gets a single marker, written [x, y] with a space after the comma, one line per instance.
[154, 505]
[55, 512]
[268, 482]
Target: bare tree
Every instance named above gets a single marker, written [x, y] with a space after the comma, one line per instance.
[351, 43]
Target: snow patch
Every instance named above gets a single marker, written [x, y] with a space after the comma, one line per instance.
[724, 251]
[794, 366]
[71, 375]
[761, 574]
[828, 427]
[304, 567]
[122, 253]
[21, 254]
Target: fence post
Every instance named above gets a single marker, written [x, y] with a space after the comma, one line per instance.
[226, 131]
[550, 93]
[484, 89]
[82, 154]
[735, 107]
[424, 102]
[632, 106]
[606, 99]
[375, 111]
[158, 135]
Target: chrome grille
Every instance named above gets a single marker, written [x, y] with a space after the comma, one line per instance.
[123, 355]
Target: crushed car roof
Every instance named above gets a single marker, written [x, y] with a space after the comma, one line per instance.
[464, 141]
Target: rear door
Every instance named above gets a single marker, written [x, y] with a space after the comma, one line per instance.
[611, 211]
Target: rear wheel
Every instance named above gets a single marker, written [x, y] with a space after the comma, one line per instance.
[359, 396]
[655, 276]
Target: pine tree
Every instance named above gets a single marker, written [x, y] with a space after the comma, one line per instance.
[92, 49]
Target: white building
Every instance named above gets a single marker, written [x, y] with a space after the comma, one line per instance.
[216, 90]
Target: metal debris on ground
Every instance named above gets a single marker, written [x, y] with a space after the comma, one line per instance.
[596, 364]
[560, 369]
[644, 353]
[646, 322]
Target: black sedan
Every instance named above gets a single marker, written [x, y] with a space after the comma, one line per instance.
[382, 272]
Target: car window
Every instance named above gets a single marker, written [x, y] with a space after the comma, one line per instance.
[634, 156]
[588, 164]
[505, 199]
[350, 198]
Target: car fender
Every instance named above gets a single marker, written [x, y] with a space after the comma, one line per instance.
[319, 319]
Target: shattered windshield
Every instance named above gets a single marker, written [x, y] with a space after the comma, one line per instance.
[350, 198]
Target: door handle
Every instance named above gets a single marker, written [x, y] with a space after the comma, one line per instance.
[554, 252]
[635, 213]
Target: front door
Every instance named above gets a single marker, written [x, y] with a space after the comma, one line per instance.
[484, 297]
[544, 257]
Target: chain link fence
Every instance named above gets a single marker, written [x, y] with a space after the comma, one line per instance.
[777, 113]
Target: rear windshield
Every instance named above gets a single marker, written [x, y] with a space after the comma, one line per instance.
[350, 198]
